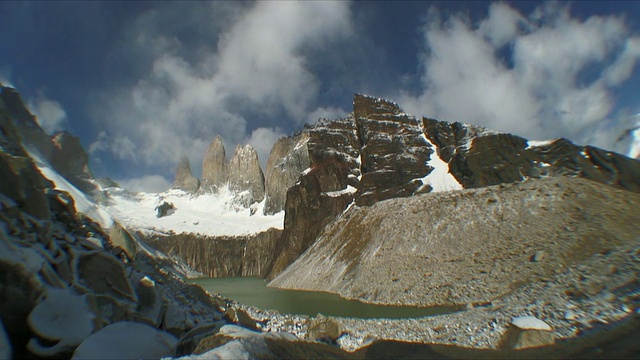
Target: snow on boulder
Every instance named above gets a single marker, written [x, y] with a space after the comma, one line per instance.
[530, 323]
[63, 317]
[126, 340]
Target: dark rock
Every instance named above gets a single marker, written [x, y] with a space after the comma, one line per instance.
[26, 187]
[214, 167]
[104, 274]
[191, 340]
[245, 176]
[164, 209]
[71, 161]
[184, 178]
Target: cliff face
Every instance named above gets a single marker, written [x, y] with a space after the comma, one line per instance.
[184, 177]
[245, 175]
[214, 166]
[380, 153]
[249, 255]
[289, 157]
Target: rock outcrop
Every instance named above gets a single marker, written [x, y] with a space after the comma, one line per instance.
[223, 256]
[289, 157]
[71, 161]
[379, 152]
[245, 175]
[214, 167]
[184, 177]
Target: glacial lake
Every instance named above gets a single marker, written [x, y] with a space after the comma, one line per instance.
[254, 291]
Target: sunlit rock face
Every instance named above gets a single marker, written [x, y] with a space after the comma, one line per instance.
[184, 177]
[214, 166]
[289, 157]
[245, 175]
[379, 152]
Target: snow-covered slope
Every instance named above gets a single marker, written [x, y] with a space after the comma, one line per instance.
[206, 214]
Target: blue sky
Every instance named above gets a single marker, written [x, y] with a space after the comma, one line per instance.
[145, 83]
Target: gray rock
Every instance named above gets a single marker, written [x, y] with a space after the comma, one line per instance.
[184, 178]
[538, 256]
[289, 157]
[165, 209]
[245, 174]
[214, 167]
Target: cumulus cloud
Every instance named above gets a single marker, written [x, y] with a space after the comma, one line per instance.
[150, 184]
[543, 75]
[256, 65]
[49, 113]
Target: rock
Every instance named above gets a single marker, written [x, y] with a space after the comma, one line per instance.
[164, 209]
[184, 178]
[289, 157]
[5, 346]
[241, 317]
[126, 340]
[570, 315]
[324, 329]
[104, 274]
[245, 175]
[214, 167]
[191, 340]
[27, 185]
[62, 319]
[119, 236]
[538, 256]
[71, 160]
[527, 332]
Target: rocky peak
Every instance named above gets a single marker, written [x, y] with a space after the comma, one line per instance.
[184, 177]
[71, 161]
[365, 106]
[214, 166]
[289, 157]
[245, 175]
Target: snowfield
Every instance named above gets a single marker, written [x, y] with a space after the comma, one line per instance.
[206, 214]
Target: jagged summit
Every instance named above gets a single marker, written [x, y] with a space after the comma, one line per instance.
[214, 166]
[184, 177]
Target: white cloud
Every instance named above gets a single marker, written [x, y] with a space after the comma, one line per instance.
[150, 183]
[556, 79]
[257, 63]
[49, 114]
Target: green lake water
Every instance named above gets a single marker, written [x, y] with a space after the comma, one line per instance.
[254, 291]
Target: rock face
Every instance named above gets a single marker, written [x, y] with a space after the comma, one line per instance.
[289, 157]
[62, 150]
[214, 166]
[379, 153]
[184, 178]
[245, 175]
[221, 256]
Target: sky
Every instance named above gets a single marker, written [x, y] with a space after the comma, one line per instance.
[146, 83]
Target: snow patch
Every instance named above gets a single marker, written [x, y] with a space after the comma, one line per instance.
[538, 143]
[349, 190]
[440, 179]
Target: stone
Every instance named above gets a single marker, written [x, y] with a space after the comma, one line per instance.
[324, 329]
[245, 175]
[70, 160]
[121, 237]
[241, 317]
[214, 167]
[538, 256]
[184, 178]
[164, 209]
[527, 332]
[104, 274]
[190, 341]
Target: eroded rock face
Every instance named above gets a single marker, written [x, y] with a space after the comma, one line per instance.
[71, 161]
[245, 175]
[184, 177]
[214, 166]
[289, 157]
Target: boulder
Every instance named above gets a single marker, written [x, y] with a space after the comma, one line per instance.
[165, 209]
[324, 329]
[245, 175]
[214, 167]
[241, 317]
[527, 332]
[119, 236]
[191, 340]
[104, 274]
[184, 178]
